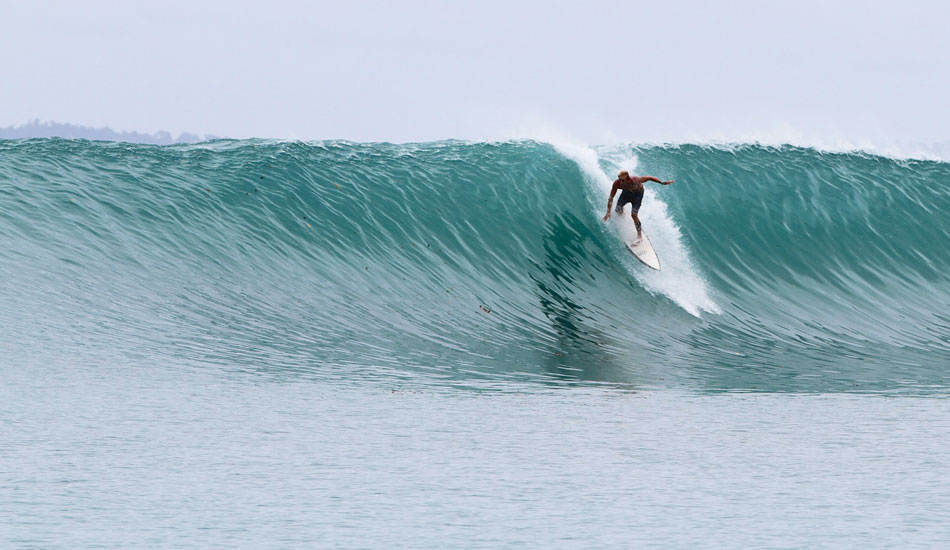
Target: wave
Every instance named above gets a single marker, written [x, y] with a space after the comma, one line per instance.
[785, 268]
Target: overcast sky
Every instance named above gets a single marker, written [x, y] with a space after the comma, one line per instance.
[597, 71]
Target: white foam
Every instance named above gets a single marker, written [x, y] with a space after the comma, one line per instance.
[678, 280]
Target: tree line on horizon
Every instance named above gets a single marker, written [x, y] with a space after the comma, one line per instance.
[37, 129]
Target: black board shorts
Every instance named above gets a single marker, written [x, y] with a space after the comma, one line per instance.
[633, 197]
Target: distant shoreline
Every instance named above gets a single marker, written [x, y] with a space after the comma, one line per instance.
[37, 129]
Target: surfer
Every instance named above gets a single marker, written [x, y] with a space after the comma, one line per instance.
[632, 192]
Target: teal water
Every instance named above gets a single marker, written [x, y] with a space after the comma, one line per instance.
[284, 344]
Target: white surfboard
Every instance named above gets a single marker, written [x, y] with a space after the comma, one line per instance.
[643, 250]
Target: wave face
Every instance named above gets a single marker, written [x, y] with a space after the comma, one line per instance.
[785, 269]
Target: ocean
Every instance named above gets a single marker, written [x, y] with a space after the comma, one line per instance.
[284, 344]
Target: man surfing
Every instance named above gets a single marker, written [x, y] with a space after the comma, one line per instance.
[632, 192]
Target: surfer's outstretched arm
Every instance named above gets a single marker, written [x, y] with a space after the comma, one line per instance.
[610, 201]
[657, 180]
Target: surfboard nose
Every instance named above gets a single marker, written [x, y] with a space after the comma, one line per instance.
[643, 250]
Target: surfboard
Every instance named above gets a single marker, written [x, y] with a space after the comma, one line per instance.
[642, 250]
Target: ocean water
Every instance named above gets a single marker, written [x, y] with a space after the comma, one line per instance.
[264, 344]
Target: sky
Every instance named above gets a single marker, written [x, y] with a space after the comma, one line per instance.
[410, 70]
